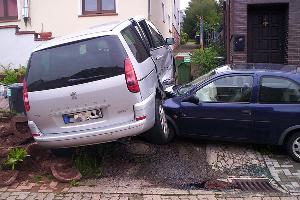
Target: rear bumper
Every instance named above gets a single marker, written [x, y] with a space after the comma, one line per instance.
[89, 137]
[145, 108]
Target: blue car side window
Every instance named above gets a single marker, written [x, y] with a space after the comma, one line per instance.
[227, 89]
[278, 90]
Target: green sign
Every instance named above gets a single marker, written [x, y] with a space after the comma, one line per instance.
[187, 59]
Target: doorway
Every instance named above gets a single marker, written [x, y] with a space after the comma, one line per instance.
[267, 33]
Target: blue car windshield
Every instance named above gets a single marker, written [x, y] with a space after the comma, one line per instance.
[186, 87]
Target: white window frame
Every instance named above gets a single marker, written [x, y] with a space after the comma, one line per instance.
[163, 12]
[79, 7]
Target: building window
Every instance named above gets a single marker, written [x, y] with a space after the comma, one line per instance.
[8, 10]
[163, 12]
[169, 24]
[98, 6]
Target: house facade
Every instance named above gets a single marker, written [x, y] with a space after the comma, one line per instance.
[262, 31]
[21, 21]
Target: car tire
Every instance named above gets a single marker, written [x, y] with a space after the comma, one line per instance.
[293, 146]
[160, 133]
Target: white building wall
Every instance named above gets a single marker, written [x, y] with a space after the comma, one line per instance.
[62, 17]
[160, 18]
[15, 49]
[176, 15]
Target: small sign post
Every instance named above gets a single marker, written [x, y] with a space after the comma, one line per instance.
[201, 32]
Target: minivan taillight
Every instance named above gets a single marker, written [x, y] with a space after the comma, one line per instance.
[131, 80]
[25, 97]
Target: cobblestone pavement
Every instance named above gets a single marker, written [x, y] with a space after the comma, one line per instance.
[236, 160]
[113, 196]
[285, 171]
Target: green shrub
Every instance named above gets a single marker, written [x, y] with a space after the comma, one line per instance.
[10, 77]
[184, 37]
[21, 72]
[204, 59]
[15, 156]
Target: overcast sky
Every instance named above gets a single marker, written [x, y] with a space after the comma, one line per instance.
[184, 4]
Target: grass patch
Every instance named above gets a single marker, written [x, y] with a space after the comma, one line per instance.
[37, 178]
[74, 183]
[88, 161]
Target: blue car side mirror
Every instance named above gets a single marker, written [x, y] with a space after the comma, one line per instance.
[191, 99]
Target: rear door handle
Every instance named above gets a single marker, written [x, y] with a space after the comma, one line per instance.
[246, 112]
[159, 57]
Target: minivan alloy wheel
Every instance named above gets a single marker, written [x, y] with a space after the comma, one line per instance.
[163, 120]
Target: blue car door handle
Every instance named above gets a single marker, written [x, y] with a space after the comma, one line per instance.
[246, 112]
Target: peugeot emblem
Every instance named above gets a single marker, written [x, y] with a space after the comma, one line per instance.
[73, 95]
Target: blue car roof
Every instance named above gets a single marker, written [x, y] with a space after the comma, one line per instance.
[260, 72]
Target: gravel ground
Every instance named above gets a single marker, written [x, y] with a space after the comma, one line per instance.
[175, 165]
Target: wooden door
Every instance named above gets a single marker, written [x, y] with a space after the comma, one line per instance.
[267, 33]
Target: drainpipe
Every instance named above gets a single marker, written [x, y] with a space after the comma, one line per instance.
[26, 12]
[149, 9]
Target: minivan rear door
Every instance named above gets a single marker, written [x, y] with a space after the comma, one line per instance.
[75, 86]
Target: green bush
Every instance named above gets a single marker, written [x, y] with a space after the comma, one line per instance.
[184, 37]
[204, 59]
[11, 76]
[21, 72]
[15, 156]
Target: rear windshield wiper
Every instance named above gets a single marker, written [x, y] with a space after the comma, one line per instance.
[83, 79]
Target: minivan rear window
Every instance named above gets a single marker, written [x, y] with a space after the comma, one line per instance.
[76, 63]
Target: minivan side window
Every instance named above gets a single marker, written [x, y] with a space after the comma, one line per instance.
[135, 44]
[227, 90]
[158, 39]
[278, 90]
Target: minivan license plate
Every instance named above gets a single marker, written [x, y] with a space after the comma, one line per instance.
[82, 116]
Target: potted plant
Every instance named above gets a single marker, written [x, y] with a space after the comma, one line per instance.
[8, 172]
[45, 35]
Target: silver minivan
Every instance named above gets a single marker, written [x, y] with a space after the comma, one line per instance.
[100, 85]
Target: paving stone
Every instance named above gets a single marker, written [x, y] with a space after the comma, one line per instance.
[77, 196]
[124, 198]
[287, 166]
[5, 195]
[11, 197]
[152, 197]
[21, 195]
[287, 172]
[50, 196]
[288, 198]
[96, 196]
[295, 184]
[206, 197]
[31, 196]
[237, 198]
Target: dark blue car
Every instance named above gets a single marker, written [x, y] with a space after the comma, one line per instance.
[255, 106]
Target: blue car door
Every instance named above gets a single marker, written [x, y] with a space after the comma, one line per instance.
[224, 111]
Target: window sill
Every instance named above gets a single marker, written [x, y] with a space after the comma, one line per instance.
[98, 14]
[9, 20]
